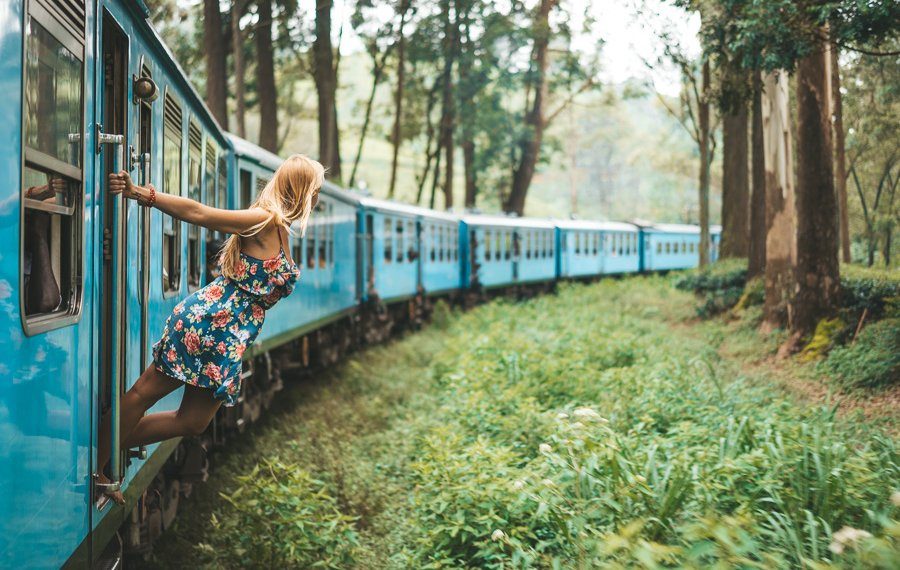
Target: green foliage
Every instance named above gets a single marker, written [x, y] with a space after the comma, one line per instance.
[873, 361]
[441, 314]
[554, 451]
[721, 285]
[825, 336]
[875, 291]
[279, 517]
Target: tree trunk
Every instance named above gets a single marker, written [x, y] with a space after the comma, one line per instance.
[447, 106]
[530, 145]
[840, 169]
[817, 272]
[216, 71]
[757, 248]
[326, 89]
[735, 189]
[468, 147]
[237, 40]
[398, 100]
[781, 234]
[377, 72]
[705, 160]
[265, 79]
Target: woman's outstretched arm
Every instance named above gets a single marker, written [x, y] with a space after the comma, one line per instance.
[191, 211]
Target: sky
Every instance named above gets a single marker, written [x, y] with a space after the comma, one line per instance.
[630, 39]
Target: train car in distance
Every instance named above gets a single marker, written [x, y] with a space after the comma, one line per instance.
[494, 251]
[590, 248]
[676, 246]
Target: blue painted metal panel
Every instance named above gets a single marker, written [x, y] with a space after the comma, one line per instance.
[440, 258]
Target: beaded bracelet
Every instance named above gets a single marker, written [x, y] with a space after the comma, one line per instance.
[150, 200]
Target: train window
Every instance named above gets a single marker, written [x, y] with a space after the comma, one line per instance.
[222, 186]
[432, 231]
[455, 235]
[245, 180]
[577, 242]
[658, 247]
[440, 243]
[400, 241]
[487, 245]
[527, 245]
[595, 240]
[411, 248]
[331, 233]
[52, 204]
[507, 244]
[171, 228]
[388, 241]
[260, 184]
[195, 139]
[322, 235]
[297, 247]
[311, 243]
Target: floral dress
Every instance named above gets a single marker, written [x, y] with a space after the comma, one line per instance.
[207, 333]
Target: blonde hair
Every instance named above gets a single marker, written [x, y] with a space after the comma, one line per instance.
[288, 197]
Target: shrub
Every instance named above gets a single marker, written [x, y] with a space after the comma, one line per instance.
[873, 361]
[721, 285]
[279, 517]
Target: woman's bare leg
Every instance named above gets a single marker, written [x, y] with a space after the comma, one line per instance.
[149, 388]
[198, 407]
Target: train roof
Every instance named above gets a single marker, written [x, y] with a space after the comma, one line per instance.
[596, 225]
[680, 228]
[508, 221]
[406, 209]
[254, 152]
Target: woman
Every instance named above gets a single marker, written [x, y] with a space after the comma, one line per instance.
[207, 333]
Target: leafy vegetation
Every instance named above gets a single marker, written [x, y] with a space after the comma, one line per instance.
[873, 361]
[519, 437]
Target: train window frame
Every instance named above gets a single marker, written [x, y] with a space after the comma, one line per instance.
[172, 287]
[194, 231]
[321, 238]
[309, 241]
[388, 240]
[69, 268]
[400, 239]
[487, 245]
[411, 249]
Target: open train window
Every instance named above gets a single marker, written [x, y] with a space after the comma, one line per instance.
[442, 243]
[222, 184]
[311, 244]
[171, 228]
[411, 246]
[487, 245]
[195, 154]
[388, 240]
[322, 235]
[455, 243]
[596, 243]
[51, 238]
[400, 241]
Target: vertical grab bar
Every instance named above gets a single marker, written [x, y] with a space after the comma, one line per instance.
[118, 245]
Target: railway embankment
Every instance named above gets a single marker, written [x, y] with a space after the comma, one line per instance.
[607, 425]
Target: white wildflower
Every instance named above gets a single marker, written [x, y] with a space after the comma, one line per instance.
[585, 413]
[847, 537]
[545, 448]
[498, 535]
[895, 498]
[518, 485]
[547, 482]
[562, 416]
[577, 425]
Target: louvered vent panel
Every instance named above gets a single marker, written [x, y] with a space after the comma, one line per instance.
[210, 154]
[196, 138]
[172, 114]
[70, 14]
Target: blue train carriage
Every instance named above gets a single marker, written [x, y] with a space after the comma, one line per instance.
[507, 251]
[88, 280]
[676, 246]
[396, 269]
[590, 248]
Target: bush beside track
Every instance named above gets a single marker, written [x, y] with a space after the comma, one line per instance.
[595, 428]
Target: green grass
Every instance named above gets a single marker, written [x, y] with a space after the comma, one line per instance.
[518, 435]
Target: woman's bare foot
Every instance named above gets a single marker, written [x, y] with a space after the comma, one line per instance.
[107, 495]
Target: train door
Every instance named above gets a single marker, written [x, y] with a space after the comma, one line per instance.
[145, 92]
[111, 131]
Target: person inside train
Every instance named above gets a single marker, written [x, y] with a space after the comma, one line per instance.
[42, 293]
[207, 333]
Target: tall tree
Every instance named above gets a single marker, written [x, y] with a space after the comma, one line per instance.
[265, 79]
[237, 41]
[705, 162]
[216, 71]
[818, 273]
[756, 251]
[325, 75]
[735, 186]
[448, 106]
[398, 96]
[840, 158]
[781, 235]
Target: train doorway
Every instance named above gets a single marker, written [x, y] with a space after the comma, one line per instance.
[110, 136]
